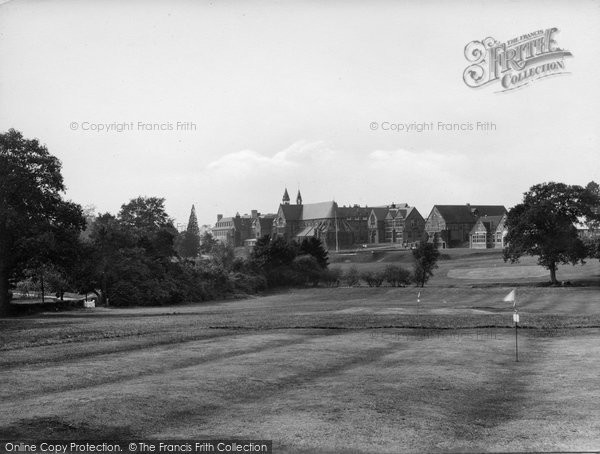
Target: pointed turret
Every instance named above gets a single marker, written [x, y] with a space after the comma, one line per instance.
[299, 198]
[286, 198]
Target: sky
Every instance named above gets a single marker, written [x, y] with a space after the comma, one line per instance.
[256, 96]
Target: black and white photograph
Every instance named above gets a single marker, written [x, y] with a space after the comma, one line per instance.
[299, 226]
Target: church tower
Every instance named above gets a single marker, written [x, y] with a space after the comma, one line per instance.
[298, 198]
[286, 198]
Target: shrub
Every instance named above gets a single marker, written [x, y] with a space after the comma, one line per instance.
[373, 279]
[308, 269]
[248, 283]
[351, 277]
[397, 276]
[331, 277]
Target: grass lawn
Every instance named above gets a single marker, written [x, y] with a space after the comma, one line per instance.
[467, 266]
[319, 370]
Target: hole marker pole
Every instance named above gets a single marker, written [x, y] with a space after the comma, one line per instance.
[516, 320]
[516, 342]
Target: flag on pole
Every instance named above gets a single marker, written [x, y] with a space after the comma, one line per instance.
[511, 297]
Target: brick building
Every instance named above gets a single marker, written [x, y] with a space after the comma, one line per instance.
[401, 224]
[241, 230]
[452, 224]
[337, 227]
[488, 232]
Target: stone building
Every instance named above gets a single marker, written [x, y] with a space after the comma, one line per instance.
[336, 227]
[376, 224]
[404, 225]
[241, 230]
[400, 224]
[488, 232]
[452, 224]
[231, 230]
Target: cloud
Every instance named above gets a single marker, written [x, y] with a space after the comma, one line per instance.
[249, 179]
[299, 155]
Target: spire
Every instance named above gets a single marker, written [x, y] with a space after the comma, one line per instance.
[299, 198]
[286, 198]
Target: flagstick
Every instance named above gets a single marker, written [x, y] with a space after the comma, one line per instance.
[516, 329]
[516, 342]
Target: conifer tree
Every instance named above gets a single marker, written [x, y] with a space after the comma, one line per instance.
[190, 246]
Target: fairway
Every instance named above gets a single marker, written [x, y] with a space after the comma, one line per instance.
[323, 370]
[501, 272]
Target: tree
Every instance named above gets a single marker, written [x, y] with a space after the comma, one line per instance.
[314, 246]
[146, 221]
[207, 243]
[274, 258]
[35, 221]
[127, 258]
[543, 225]
[593, 222]
[190, 246]
[308, 270]
[145, 214]
[425, 258]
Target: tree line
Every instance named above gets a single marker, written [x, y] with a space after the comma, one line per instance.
[137, 257]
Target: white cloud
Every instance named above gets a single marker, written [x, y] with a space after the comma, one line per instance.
[249, 179]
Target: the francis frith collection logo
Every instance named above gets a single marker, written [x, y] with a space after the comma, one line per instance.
[516, 62]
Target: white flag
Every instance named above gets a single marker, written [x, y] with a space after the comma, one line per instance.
[511, 297]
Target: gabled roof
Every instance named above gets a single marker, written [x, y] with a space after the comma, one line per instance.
[321, 210]
[409, 210]
[490, 223]
[468, 213]
[265, 222]
[404, 212]
[399, 213]
[489, 210]
[291, 212]
[380, 212]
[353, 211]
[455, 213]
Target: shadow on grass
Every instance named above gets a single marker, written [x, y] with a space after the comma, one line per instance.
[55, 428]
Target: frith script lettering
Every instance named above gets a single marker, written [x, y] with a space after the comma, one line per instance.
[516, 62]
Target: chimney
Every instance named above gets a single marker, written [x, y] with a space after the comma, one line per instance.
[219, 217]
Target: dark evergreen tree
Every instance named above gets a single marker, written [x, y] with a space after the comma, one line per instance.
[314, 247]
[190, 246]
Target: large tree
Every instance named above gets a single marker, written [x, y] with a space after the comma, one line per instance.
[129, 258]
[190, 246]
[544, 225]
[36, 224]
